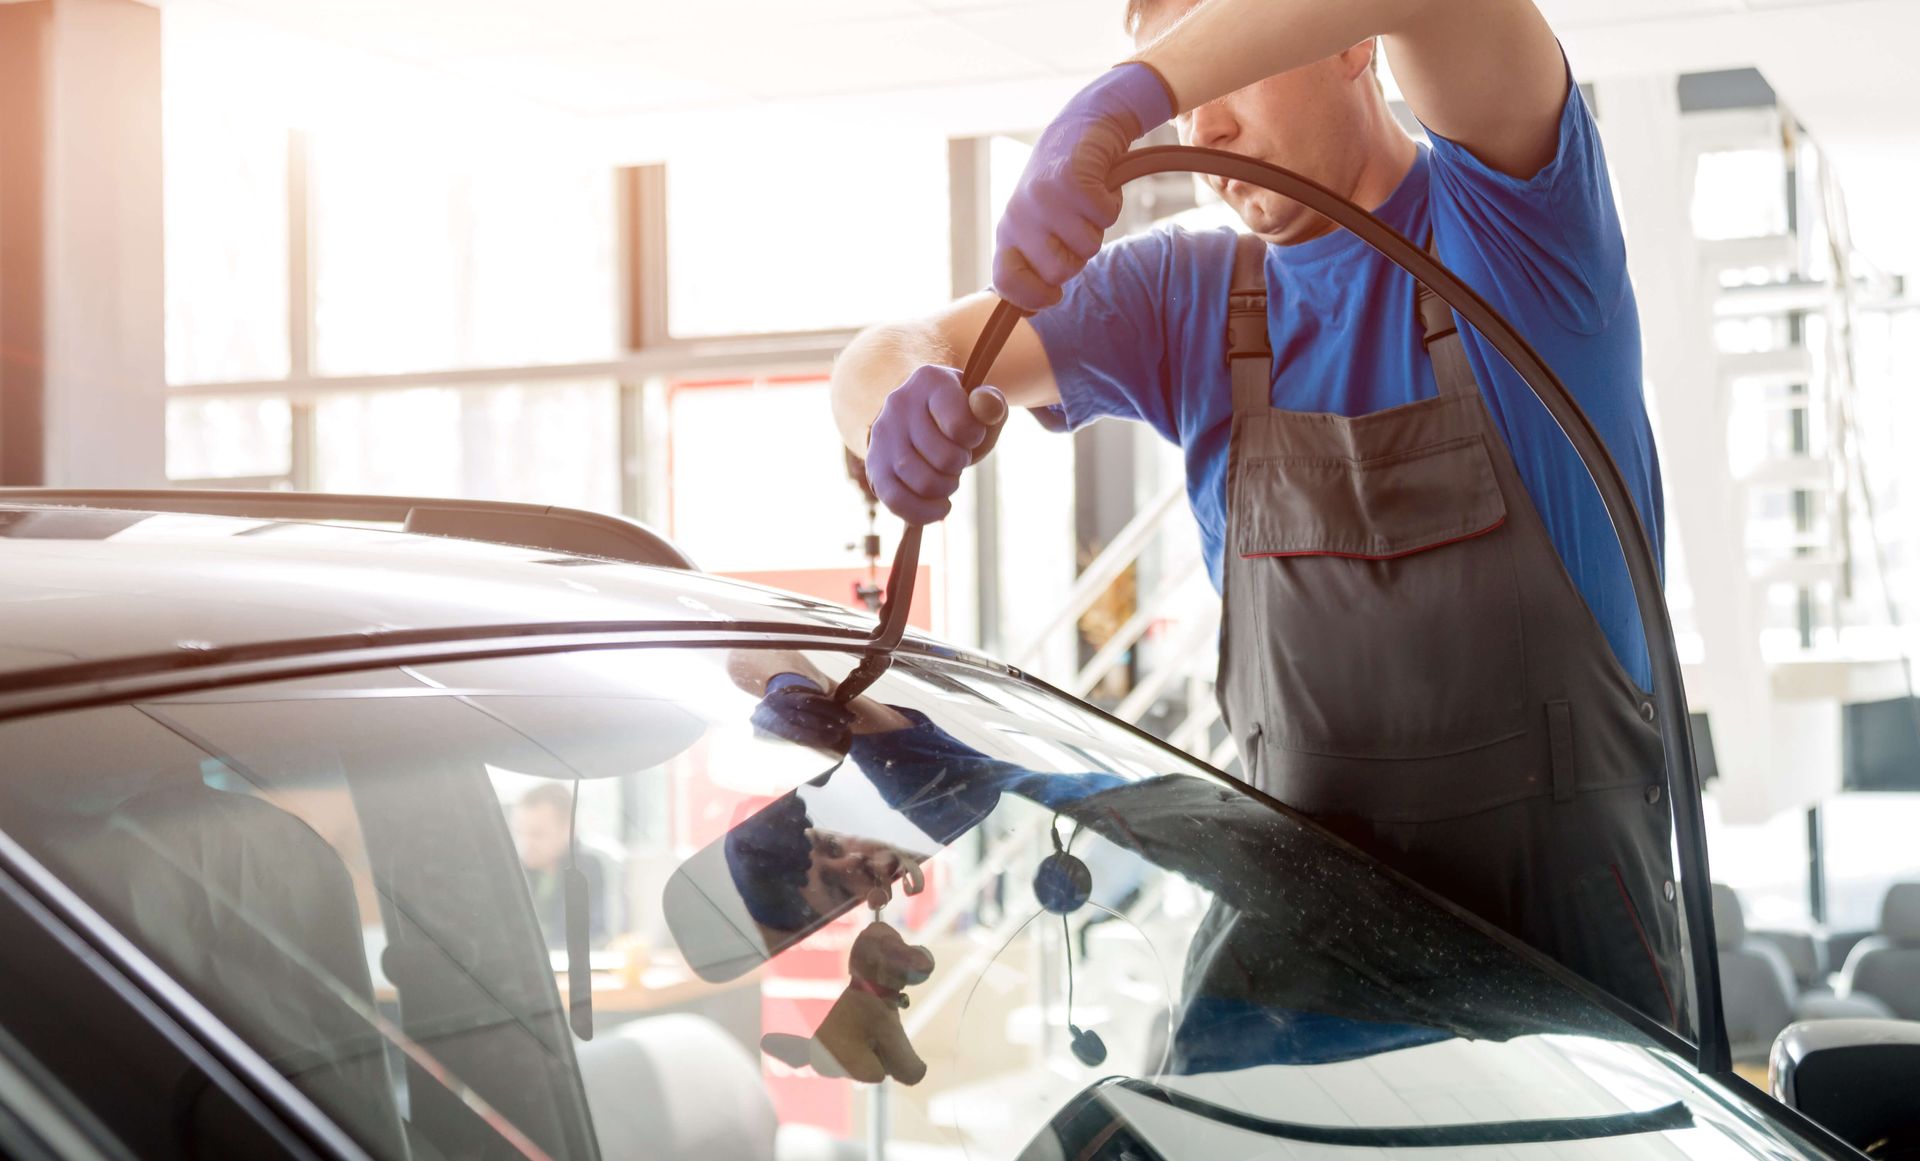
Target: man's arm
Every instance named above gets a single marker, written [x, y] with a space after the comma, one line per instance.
[1485, 73]
[881, 357]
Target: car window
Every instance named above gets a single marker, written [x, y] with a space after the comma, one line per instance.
[672, 902]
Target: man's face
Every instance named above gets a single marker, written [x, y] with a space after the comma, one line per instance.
[540, 835]
[847, 867]
[1311, 120]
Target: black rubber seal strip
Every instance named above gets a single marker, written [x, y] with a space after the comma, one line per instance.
[1664, 1119]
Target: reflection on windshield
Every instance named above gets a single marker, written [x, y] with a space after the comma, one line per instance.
[1307, 952]
[352, 872]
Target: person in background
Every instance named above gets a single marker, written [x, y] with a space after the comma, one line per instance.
[542, 825]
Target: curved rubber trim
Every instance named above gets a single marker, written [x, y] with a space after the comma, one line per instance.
[1666, 1118]
[1683, 783]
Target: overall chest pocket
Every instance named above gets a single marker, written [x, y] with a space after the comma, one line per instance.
[1378, 599]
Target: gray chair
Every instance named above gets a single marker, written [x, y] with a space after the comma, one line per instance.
[1805, 953]
[678, 1086]
[245, 904]
[1886, 965]
[1756, 983]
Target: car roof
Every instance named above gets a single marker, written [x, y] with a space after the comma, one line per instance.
[81, 586]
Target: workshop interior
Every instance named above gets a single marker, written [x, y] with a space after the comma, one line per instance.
[948, 580]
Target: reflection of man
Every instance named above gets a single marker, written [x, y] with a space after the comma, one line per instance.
[542, 829]
[794, 872]
[1309, 951]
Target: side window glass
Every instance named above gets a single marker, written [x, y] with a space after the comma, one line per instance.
[326, 874]
[88, 1071]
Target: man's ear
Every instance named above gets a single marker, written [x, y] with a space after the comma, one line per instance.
[1359, 58]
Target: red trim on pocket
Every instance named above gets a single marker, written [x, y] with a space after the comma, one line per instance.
[1379, 556]
[1646, 945]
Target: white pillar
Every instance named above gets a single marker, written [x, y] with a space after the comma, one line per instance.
[1767, 755]
[82, 359]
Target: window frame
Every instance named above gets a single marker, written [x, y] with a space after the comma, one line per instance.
[651, 357]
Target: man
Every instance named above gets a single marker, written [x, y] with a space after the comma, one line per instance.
[1430, 639]
[542, 831]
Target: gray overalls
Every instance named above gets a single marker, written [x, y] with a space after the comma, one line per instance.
[1404, 658]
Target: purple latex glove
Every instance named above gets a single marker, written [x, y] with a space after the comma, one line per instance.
[797, 709]
[1062, 207]
[926, 434]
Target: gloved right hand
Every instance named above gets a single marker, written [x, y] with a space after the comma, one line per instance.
[794, 707]
[1061, 207]
[928, 431]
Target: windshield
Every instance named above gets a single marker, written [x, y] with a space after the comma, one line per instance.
[673, 902]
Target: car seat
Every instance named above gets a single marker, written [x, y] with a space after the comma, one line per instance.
[679, 1086]
[1804, 953]
[255, 913]
[1886, 965]
[1756, 984]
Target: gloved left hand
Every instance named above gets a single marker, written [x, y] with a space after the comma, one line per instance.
[797, 709]
[1062, 207]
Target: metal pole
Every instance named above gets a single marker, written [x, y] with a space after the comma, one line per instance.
[1817, 863]
[879, 1121]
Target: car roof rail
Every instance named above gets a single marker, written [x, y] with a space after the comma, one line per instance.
[572, 531]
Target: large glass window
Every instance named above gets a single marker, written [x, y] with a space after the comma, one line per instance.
[760, 480]
[1740, 193]
[422, 263]
[225, 176]
[209, 438]
[545, 443]
[631, 904]
[1765, 863]
[1869, 846]
[810, 233]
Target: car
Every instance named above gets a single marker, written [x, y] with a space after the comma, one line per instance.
[505, 832]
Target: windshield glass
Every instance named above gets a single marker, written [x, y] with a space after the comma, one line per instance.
[675, 902]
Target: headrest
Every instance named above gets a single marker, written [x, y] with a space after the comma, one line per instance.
[1729, 925]
[1900, 913]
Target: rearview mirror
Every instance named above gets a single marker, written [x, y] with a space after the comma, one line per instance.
[802, 861]
[1858, 1078]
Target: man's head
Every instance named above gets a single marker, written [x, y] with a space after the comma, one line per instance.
[541, 821]
[790, 872]
[1327, 121]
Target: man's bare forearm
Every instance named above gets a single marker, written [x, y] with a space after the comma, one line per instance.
[1223, 45]
[1486, 73]
[879, 359]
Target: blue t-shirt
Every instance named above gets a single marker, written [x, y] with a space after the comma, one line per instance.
[1141, 334]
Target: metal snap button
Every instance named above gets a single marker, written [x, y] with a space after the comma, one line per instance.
[1652, 795]
[1666, 889]
[1646, 711]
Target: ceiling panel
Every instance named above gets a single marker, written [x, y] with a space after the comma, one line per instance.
[712, 22]
[425, 30]
[1066, 36]
[602, 79]
[1575, 13]
[861, 57]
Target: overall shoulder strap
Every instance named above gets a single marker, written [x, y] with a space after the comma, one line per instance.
[1249, 352]
[1441, 335]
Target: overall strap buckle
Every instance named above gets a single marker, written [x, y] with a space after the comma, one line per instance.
[1249, 351]
[1452, 374]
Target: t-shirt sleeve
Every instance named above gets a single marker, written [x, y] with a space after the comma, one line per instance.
[1557, 231]
[1106, 340]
